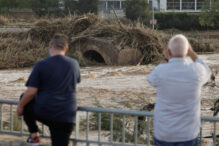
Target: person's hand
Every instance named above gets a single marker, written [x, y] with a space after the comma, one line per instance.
[20, 110]
[190, 50]
[192, 54]
[166, 53]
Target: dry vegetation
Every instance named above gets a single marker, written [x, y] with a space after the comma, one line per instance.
[4, 20]
[16, 51]
[24, 49]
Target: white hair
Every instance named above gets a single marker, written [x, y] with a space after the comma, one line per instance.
[178, 45]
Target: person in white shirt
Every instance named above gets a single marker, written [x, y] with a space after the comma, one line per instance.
[178, 83]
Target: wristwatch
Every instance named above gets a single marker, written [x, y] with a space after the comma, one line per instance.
[166, 59]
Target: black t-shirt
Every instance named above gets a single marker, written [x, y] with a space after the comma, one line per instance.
[56, 78]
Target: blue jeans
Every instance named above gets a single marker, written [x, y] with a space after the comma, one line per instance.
[193, 142]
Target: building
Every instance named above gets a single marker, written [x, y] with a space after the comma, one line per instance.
[182, 5]
[105, 7]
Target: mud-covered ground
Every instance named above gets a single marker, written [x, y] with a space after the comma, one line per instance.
[118, 87]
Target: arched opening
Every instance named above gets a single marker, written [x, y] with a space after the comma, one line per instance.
[94, 56]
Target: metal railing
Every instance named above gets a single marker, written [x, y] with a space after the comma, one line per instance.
[103, 123]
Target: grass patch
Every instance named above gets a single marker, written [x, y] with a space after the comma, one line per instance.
[4, 20]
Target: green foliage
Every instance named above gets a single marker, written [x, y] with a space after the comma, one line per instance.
[71, 6]
[210, 14]
[24, 3]
[138, 10]
[43, 7]
[207, 19]
[7, 4]
[88, 6]
[182, 21]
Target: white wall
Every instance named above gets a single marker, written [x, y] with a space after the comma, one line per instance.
[163, 5]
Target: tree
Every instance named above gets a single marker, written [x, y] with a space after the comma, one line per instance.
[8, 4]
[24, 3]
[15, 4]
[70, 6]
[81, 6]
[138, 9]
[43, 7]
[210, 14]
[86, 6]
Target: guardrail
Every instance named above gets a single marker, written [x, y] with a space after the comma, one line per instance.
[103, 116]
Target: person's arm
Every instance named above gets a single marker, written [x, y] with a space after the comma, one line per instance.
[153, 78]
[27, 97]
[32, 84]
[206, 71]
[166, 55]
[192, 54]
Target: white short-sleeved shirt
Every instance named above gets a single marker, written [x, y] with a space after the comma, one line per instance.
[177, 110]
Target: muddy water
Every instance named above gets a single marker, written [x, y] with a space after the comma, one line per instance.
[112, 87]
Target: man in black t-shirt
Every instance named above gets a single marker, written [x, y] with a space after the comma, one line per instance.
[51, 94]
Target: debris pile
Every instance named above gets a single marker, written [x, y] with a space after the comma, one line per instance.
[84, 31]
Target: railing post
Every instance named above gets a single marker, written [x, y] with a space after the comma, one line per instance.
[111, 127]
[123, 129]
[136, 130]
[11, 118]
[1, 118]
[99, 127]
[148, 130]
[214, 136]
[22, 128]
[77, 126]
[200, 135]
[87, 127]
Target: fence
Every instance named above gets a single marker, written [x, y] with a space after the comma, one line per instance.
[103, 116]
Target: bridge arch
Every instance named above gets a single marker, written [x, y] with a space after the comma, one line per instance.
[100, 51]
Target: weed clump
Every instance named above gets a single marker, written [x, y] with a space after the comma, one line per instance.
[17, 52]
[4, 20]
[201, 47]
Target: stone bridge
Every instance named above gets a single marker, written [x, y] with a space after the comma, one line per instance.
[102, 51]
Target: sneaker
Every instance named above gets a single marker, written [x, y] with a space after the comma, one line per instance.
[33, 141]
